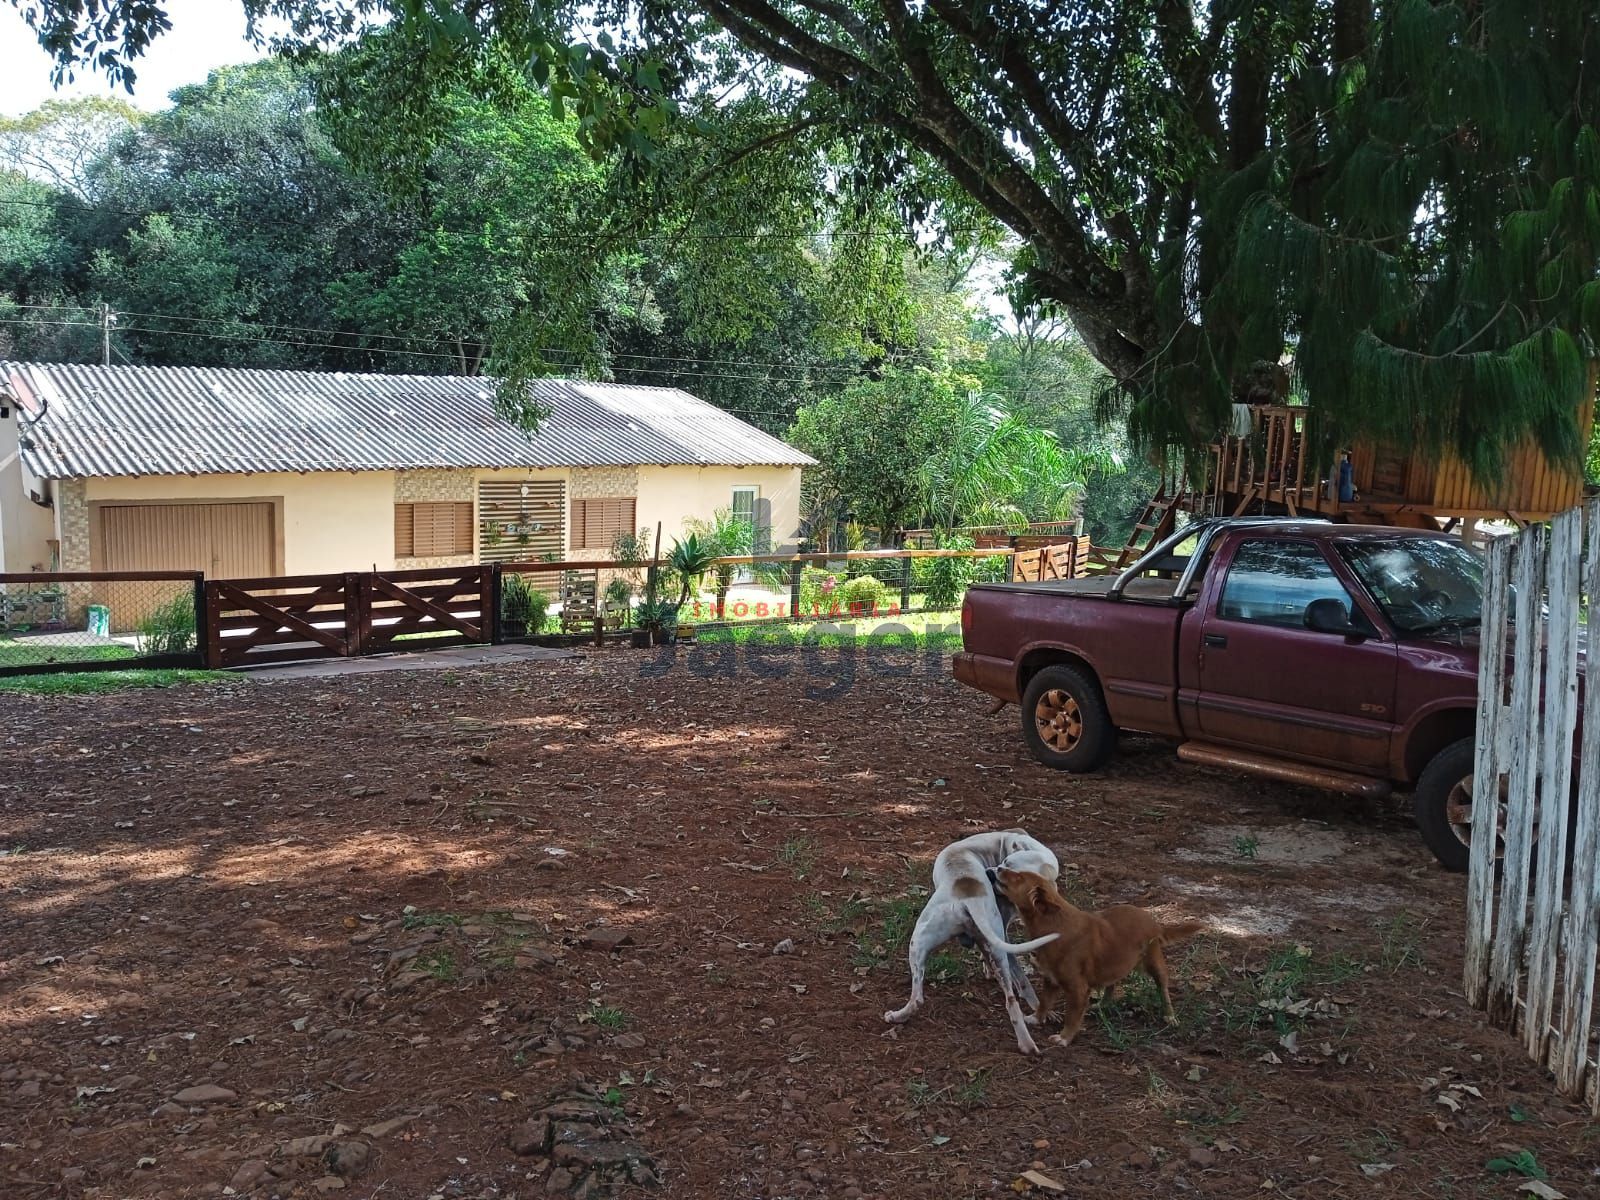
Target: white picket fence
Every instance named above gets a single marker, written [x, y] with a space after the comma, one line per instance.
[1532, 924]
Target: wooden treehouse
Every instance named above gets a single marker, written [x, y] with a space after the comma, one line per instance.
[1277, 470]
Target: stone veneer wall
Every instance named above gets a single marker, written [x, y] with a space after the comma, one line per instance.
[588, 483]
[412, 487]
[71, 496]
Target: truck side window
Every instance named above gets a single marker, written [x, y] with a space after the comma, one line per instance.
[1272, 583]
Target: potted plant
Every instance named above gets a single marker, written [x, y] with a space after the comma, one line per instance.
[619, 601]
[522, 607]
[656, 624]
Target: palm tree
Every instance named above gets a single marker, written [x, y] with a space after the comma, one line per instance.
[689, 559]
[727, 535]
[996, 469]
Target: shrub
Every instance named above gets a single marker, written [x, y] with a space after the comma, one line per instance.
[819, 592]
[169, 629]
[944, 581]
[522, 606]
[619, 598]
[865, 595]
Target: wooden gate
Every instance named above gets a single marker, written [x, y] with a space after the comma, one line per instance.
[1533, 923]
[426, 609]
[281, 619]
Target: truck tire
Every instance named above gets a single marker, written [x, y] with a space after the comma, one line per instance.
[1064, 720]
[1446, 782]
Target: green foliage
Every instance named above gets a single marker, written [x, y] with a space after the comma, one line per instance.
[522, 606]
[90, 683]
[687, 562]
[865, 596]
[169, 628]
[943, 582]
[619, 599]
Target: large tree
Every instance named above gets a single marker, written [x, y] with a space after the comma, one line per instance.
[1406, 193]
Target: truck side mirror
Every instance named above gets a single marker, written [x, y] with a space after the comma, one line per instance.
[1331, 616]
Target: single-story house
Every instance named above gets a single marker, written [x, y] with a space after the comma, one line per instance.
[247, 473]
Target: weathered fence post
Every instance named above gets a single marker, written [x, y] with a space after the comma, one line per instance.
[1524, 728]
[1577, 994]
[1557, 722]
[905, 584]
[202, 623]
[796, 569]
[1488, 766]
[496, 583]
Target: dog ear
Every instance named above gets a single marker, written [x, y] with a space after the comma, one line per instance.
[1039, 898]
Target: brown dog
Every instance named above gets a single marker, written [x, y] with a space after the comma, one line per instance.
[1095, 949]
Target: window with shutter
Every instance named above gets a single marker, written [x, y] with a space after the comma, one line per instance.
[597, 522]
[438, 529]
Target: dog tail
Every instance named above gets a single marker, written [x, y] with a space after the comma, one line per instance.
[1171, 935]
[1023, 947]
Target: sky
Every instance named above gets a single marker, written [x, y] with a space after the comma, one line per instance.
[205, 34]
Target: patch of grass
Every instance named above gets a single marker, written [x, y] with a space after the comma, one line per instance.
[1246, 845]
[1289, 975]
[1399, 940]
[892, 921]
[949, 966]
[799, 854]
[87, 683]
[973, 1092]
[27, 653]
[431, 920]
[902, 633]
[846, 916]
[440, 963]
[606, 1016]
[1136, 1018]
[1074, 890]
[921, 1093]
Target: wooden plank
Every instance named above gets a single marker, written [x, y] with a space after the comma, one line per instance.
[1559, 723]
[1583, 932]
[1524, 724]
[286, 620]
[1488, 767]
[277, 583]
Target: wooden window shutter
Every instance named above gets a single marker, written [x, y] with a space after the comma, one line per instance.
[433, 530]
[596, 523]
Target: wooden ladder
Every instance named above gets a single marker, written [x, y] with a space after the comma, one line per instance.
[1153, 524]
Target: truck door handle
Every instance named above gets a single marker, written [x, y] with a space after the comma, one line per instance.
[1219, 640]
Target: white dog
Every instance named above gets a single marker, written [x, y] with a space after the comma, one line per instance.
[963, 902]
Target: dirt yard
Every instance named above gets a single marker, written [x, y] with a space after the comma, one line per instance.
[353, 936]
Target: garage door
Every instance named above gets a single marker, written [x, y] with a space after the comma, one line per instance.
[226, 541]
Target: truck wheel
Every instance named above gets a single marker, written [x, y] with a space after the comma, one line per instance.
[1444, 806]
[1064, 720]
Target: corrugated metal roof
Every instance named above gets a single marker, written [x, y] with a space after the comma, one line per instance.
[118, 420]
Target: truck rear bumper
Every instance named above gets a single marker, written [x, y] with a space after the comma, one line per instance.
[997, 676]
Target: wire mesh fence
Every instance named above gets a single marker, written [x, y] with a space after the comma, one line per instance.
[97, 621]
[885, 593]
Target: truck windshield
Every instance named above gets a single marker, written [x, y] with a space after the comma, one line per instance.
[1424, 585]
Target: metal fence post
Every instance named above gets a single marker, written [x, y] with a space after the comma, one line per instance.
[795, 570]
[905, 584]
[202, 622]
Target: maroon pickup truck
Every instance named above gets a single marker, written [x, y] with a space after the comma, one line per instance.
[1339, 656]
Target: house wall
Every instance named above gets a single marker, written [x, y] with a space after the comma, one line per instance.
[332, 520]
[344, 520]
[26, 528]
[674, 495]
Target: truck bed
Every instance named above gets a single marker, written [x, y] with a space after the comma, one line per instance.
[1094, 587]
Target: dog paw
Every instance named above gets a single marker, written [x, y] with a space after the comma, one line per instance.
[1172, 1017]
[1029, 1047]
[1057, 1039]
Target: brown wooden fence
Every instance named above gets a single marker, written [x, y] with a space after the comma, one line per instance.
[282, 618]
